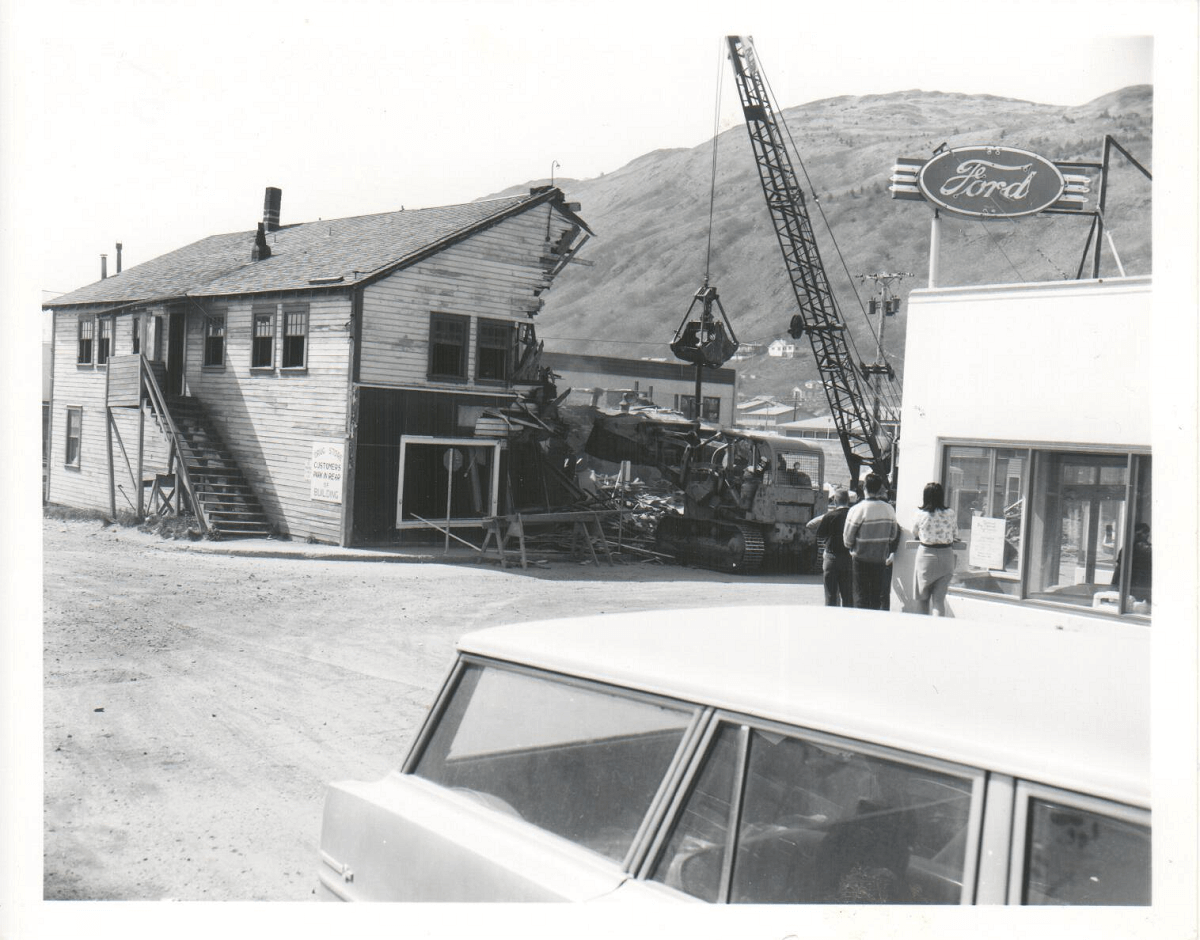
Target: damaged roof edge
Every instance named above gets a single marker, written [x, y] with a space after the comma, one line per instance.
[537, 197]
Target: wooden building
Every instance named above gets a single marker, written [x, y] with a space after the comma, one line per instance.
[275, 378]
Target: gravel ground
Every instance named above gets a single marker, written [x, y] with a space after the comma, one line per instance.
[196, 702]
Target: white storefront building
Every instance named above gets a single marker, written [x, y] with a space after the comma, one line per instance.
[1031, 404]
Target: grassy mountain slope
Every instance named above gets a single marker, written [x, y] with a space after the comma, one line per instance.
[651, 222]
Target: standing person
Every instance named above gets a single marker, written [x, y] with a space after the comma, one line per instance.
[936, 528]
[871, 534]
[835, 567]
[1140, 566]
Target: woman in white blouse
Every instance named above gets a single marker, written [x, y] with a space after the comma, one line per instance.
[935, 528]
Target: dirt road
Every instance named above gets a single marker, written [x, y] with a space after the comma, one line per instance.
[197, 703]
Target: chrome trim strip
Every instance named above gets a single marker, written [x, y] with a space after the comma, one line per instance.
[735, 814]
[408, 765]
[652, 822]
[690, 771]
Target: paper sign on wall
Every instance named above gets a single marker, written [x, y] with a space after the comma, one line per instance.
[987, 543]
[328, 461]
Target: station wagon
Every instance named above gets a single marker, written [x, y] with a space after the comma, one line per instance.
[796, 755]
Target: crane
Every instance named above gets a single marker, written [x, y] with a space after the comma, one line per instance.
[863, 430]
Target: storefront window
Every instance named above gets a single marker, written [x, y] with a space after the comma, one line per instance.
[1077, 526]
[1059, 526]
[985, 486]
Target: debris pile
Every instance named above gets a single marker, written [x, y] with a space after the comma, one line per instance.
[549, 472]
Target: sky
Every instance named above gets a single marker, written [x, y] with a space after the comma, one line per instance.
[162, 122]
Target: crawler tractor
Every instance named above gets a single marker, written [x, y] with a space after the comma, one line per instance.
[746, 495]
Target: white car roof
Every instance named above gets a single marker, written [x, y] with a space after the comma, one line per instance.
[1064, 706]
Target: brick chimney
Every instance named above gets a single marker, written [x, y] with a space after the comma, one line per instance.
[271, 208]
[118, 257]
[103, 267]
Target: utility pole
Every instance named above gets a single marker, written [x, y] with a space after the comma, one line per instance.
[884, 303]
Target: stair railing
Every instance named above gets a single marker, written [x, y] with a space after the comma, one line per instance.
[175, 462]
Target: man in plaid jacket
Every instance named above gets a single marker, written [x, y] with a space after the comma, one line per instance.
[871, 534]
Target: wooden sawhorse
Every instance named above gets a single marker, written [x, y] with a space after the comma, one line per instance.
[586, 529]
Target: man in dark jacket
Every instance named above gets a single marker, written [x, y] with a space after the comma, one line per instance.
[835, 567]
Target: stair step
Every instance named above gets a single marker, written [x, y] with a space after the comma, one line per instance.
[249, 533]
[221, 491]
[232, 472]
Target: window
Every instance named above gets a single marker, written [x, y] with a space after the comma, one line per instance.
[295, 335]
[1061, 526]
[262, 353]
[74, 436]
[686, 405]
[214, 339]
[1081, 856]
[135, 333]
[818, 824]
[104, 345]
[448, 346]
[580, 761]
[494, 350]
[87, 329]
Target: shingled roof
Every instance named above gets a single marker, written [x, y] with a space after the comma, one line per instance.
[355, 250]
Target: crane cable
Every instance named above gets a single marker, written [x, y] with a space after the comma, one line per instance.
[712, 186]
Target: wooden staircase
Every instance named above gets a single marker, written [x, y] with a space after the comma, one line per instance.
[221, 494]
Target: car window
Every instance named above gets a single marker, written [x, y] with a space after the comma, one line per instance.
[820, 824]
[580, 761]
[1077, 856]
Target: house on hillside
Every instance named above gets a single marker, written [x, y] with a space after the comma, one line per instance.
[765, 415]
[782, 349]
[320, 380]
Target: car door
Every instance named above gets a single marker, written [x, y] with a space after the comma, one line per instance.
[777, 814]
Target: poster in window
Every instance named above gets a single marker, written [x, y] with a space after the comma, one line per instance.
[328, 461]
[987, 543]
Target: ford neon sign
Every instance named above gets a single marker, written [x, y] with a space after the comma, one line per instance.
[991, 182]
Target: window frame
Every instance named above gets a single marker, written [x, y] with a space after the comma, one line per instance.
[75, 464]
[106, 329]
[656, 810]
[1025, 793]
[459, 321]
[710, 405]
[257, 312]
[1036, 453]
[135, 334]
[88, 322]
[507, 345]
[746, 725]
[211, 317]
[290, 310]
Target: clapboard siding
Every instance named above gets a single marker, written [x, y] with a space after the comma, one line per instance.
[493, 274]
[77, 386]
[84, 387]
[269, 419]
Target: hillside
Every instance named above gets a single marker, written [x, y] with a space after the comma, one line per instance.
[651, 222]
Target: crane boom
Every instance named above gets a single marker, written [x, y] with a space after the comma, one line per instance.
[858, 428]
